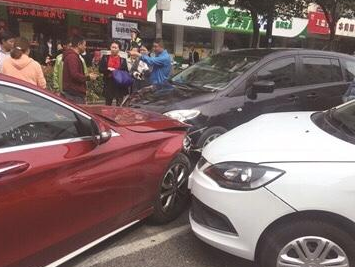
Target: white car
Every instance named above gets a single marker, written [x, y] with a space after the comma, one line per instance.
[280, 190]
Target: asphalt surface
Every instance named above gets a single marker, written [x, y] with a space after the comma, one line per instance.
[145, 245]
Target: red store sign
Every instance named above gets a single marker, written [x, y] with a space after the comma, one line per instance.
[28, 12]
[317, 23]
[128, 8]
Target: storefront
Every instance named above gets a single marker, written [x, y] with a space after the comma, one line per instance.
[47, 25]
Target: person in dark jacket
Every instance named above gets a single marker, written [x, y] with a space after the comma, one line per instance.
[194, 57]
[74, 76]
[107, 65]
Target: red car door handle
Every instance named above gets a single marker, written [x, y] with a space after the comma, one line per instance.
[13, 167]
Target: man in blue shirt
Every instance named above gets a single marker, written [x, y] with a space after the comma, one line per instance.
[161, 64]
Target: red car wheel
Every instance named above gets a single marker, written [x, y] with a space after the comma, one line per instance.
[173, 194]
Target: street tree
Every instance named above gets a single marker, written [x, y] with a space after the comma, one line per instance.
[333, 11]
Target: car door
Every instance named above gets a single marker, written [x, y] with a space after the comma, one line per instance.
[58, 189]
[282, 72]
[323, 82]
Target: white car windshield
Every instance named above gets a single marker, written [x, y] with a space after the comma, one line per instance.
[345, 116]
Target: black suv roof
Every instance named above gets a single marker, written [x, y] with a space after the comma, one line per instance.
[262, 52]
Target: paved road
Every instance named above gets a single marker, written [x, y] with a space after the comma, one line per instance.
[156, 246]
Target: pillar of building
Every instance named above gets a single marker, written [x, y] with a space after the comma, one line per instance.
[217, 41]
[178, 40]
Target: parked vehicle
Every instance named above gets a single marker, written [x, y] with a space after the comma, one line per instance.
[231, 88]
[280, 190]
[72, 176]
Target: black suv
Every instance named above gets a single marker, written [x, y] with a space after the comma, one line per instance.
[231, 88]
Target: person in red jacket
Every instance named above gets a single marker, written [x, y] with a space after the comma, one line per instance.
[74, 77]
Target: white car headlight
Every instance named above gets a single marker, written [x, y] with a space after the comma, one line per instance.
[183, 115]
[242, 175]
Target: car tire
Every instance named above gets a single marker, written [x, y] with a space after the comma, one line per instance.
[209, 135]
[173, 193]
[280, 244]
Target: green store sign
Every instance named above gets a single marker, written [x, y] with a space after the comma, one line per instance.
[231, 20]
[240, 21]
[227, 19]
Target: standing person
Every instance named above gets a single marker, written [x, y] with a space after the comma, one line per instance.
[161, 64]
[58, 67]
[107, 65]
[132, 59]
[136, 41]
[7, 40]
[21, 66]
[74, 77]
[194, 57]
[140, 71]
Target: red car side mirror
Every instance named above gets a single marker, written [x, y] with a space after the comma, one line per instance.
[101, 132]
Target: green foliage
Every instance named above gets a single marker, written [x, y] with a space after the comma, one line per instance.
[48, 75]
[336, 9]
[95, 88]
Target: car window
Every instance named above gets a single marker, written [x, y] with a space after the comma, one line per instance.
[350, 70]
[318, 70]
[214, 73]
[337, 75]
[281, 71]
[26, 118]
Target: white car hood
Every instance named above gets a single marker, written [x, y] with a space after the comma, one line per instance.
[279, 137]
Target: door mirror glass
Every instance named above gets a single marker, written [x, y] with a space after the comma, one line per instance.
[263, 86]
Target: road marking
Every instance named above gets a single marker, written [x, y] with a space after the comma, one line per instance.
[130, 248]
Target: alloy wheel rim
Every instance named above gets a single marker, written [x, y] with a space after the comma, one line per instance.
[312, 251]
[210, 139]
[173, 187]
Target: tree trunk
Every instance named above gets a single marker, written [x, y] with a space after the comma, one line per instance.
[256, 29]
[332, 36]
[159, 24]
[270, 23]
[331, 17]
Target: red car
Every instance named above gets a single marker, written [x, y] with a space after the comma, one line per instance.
[72, 176]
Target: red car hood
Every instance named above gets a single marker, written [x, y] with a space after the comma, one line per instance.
[136, 119]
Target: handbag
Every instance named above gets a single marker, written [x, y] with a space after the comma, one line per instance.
[122, 78]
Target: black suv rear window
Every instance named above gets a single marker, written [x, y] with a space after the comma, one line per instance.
[318, 70]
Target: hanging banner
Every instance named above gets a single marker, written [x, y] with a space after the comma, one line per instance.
[122, 29]
[124, 8]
